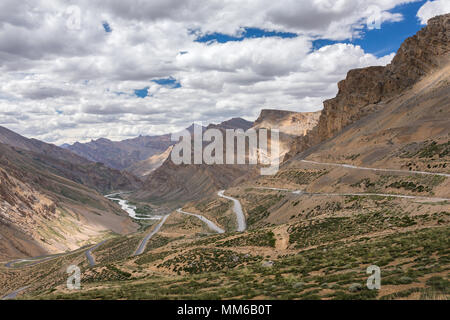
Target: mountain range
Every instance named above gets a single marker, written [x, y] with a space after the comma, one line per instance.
[363, 182]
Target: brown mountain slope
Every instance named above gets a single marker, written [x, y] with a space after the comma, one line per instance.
[66, 164]
[173, 184]
[20, 142]
[14, 241]
[121, 154]
[46, 201]
[408, 131]
[180, 183]
[43, 212]
[363, 89]
[145, 167]
[289, 122]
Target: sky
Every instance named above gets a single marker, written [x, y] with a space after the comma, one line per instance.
[88, 69]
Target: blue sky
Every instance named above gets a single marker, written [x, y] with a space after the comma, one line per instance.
[169, 82]
[390, 36]
[378, 42]
[247, 33]
[141, 93]
[107, 27]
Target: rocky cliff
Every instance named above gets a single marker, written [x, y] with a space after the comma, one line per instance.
[363, 89]
[288, 122]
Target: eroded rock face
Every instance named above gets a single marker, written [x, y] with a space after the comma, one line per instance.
[288, 122]
[360, 88]
[418, 55]
[24, 209]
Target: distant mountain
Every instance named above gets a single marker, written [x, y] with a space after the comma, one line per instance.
[50, 198]
[121, 154]
[126, 154]
[178, 183]
[66, 164]
[172, 183]
[145, 167]
[233, 123]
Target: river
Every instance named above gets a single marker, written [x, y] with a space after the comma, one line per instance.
[130, 209]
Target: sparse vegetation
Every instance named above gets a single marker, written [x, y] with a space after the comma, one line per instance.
[254, 238]
[298, 176]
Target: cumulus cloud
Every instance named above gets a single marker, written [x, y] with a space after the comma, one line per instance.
[46, 92]
[64, 79]
[328, 18]
[433, 8]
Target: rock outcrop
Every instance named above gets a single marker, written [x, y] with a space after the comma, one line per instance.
[364, 88]
[144, 168]
[288, 122]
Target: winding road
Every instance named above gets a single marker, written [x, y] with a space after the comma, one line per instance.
[237, 210]
[143, 243]
[41, 259]
[36, 260]
[349, 166]
[14, 294]
[210, 224]
[355, 194]
[88, 253]
[382, 195]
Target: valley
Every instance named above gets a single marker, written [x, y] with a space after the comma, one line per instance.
[261, 246]
[365, 181]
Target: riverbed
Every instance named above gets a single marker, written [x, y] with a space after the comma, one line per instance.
[131, 209]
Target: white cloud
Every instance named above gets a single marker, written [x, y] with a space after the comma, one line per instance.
[63, 85]
[433, 8]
